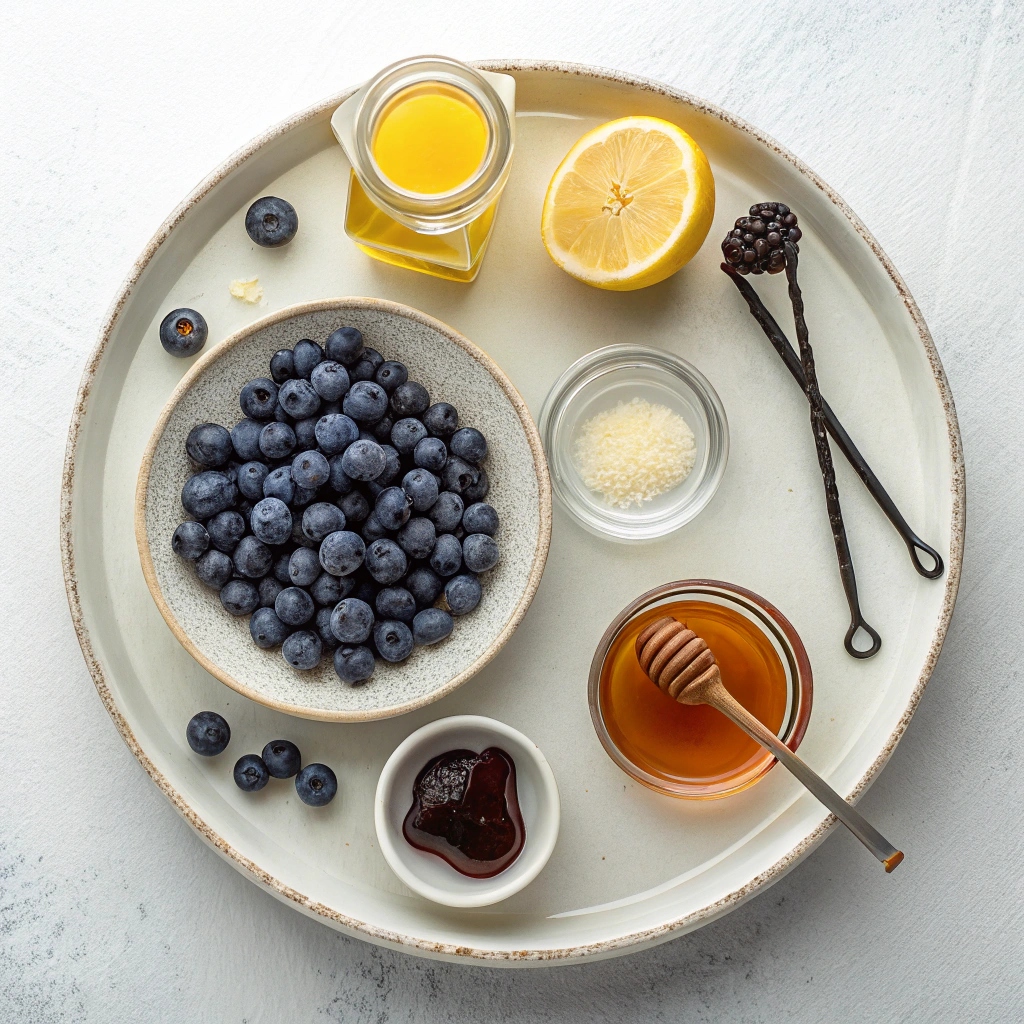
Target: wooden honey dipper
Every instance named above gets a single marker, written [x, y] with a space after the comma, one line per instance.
[682, 664]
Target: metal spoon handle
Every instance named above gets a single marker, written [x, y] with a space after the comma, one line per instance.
[721, 699]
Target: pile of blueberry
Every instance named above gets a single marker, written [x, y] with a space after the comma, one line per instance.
[209, 734]
[344, 512]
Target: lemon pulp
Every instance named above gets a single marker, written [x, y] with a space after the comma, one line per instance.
[630, 204]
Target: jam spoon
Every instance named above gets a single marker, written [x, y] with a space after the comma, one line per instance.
[682, 665]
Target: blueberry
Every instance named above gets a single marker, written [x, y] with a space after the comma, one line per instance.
[446, 512]
[225, 530]
[441, 420]
[190, 540]
[252, 558]
[305, 433]
[303, 567]
[390, 375]
[477, 491]
[329, 590]
[250, 478]
[480, 552]
[363, 460]
[207, 493]
[282, 759]
[366, 367]
[330, 408]
[407, 433]
[458, 474]
[417, 537]
[266, 629]
[393, 507]
[209, 445]
[294, 606]
[320, 519]
[269, 588]
[322, 627]
[280, 568]
[310, 469]
[239, 597]
[302, 650]
[271, 221]
[340, 482]
[430, 453]
[373, 529]
[245, 437]
[208, 734]
[345, 346]
[382, 428]
[251, 773]
[410, 399]
[298, 398]
[342, 553]
[421, 487]
[335, 432]
[469, 444]
[183, 332]
[279, 484]
[425, 585]
[462, 594]
[277, 440]
[214, 569]
[393, 640]
[366, 591]
[446, 558]
[329, 380]
[386, 561]
[279, 412]
[352, 620]
[395, 603]
[431, 625]
[355, 507]
[480, 518]
[271, 520]
[282, 365]
[365, 402]
[258, 399]
[316, 785]
[354, 665]
[307, 355]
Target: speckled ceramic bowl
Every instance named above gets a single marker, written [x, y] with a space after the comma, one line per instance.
[453, 370]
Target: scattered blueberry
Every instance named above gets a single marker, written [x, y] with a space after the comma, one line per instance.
[271, 521]
[386, 561]
[366, 367]
[277, 440]
[421, 487]
[446, 558]
[209, 445]
[342, 552]
[316, 785]
[430, 453]
[363, 460]
[258, 399]
[310, 469]
[462, 594]
[355, 507]
[328, 590]
[294, 606]
[271, 222]
[251, 773]
[354, 665]
[373, 529]
[339, 481]
[208, 733]
[365, 402]
[477, 491]
[207, 493]
[250, 479]
[352, 620]
[431, 625]
[322, 626]
[417, 537]
[441, 420]
[183, 332]
[480, 518]
[391, 374]
[393, 640]
[304, 567]
[225, 530]
[410, 399]
[329, 380]
[190, 540]
[214, 569]
[282, 759]
[302, 650]
[395, 603]
[469, 444]
[252, 557]
[446, 512]
[382, 428]
[480, 552]
[407, 433]
[308, 355]
[345, 346]
[458, 474]
[266, 629]
[320, 519]
[269, 588]
[278, 483]
[393, 507]
[239, 597]
[425, 585]
[305, 433]
[334, 432]
[298, 398]
[282, 365]
[245, 436]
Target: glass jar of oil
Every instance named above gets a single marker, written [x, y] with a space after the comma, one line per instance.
[430, 142]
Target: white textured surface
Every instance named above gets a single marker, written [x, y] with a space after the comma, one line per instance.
[110, 908]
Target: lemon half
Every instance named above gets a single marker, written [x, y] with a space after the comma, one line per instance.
[631, 203]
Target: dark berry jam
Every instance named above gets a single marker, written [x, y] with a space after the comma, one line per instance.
[465, 809]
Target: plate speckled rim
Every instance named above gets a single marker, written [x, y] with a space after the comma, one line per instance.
[540, 467]
[388, 937]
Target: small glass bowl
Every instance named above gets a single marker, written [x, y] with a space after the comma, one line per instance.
[782, 636]
[620, 373]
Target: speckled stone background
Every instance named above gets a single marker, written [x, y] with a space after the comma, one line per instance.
[111, 909]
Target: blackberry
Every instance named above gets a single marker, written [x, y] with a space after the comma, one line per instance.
[755, 244]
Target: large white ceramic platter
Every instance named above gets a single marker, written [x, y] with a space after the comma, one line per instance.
[631, 868]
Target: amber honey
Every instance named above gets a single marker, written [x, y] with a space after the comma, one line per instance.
[694, 749]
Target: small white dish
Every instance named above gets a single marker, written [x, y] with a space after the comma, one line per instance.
[426, 873]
